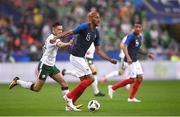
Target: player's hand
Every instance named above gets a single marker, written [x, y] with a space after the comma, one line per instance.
[114, 61]
[129, 61]
[70, 42]
[151, 55]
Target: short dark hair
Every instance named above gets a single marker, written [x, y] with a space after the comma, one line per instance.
[138, 22]
[56, 24]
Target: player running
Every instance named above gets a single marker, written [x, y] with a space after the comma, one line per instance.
[131, 48]
[89, 58]
[87, 34]
[46, 65]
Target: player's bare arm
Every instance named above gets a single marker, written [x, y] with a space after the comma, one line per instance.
[63, 45]
[62, 35]
[125, 50]
[103, 55]
[145, 52]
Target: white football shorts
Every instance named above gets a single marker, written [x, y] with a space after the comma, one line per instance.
[133, 69]
[80, 66]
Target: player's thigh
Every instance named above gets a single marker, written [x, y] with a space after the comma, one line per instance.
[130, 70]
[139, 69]
[43, 71]
[91, 65]
[80, 66]
[89, 77]
[57, 77]
[121, 71]
[93, 68]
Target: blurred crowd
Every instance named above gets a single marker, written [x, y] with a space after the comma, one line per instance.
[25, 24]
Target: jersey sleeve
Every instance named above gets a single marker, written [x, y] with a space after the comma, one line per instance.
[128, 39]
[80, 28]
[97, 39]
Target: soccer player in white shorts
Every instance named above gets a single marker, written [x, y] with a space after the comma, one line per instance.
[131, 48]
[46, 65]
[89, 58]
[87, 33]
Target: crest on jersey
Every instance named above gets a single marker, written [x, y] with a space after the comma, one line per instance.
[137, 43]
[88, 36]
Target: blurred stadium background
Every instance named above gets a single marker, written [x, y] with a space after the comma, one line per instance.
[25, 24]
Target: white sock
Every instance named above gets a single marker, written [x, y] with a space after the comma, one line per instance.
[112, 74]
[69, 72]
[95, 85]
[24, 84]
[64, 92]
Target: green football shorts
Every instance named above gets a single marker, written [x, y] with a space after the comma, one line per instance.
[44, 71]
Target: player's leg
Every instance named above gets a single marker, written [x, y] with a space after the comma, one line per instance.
[130, 71]
[137, 83]
[17, 81]
[27, 85]
[73, 95]
[95, 83]
[37, 86]
[135, 89]
[108, 76]
[42, 75]
[86, 81]
[84, 73]
[58, 77]
[68, 72]
[121, 72]
[116, 73]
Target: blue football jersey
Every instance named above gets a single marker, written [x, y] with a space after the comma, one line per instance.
[133, 42]
[85, 36]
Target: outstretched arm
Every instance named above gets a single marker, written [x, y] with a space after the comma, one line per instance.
[63, 45]
[103, 55]
[62, 35]
[145, 52]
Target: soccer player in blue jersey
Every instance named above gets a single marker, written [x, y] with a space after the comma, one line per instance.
[86, 34]
[131, 48]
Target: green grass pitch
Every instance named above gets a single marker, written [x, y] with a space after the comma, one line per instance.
[160, 98]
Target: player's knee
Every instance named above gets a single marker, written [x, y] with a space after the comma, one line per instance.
[35, 89]
[132, 80]
[121, 72]
[91, 79]
[140, 78]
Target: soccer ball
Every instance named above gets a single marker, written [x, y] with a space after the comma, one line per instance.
[93, 105]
